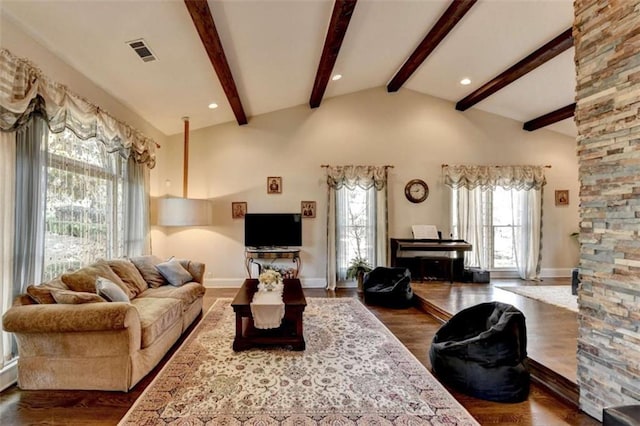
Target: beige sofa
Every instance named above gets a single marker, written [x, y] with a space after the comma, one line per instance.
[102, 345]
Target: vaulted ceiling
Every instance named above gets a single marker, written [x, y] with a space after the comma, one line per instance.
[282, 53]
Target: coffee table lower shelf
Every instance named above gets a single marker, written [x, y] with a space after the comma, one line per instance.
[247, 336]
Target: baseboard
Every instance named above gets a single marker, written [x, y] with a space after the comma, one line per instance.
[237, 282]
[9, 375]
[544, 273]
[556, 273]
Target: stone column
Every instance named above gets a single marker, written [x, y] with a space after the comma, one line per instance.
[607, 41]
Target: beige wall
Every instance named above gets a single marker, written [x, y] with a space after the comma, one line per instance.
[413, 132]
[14, 38]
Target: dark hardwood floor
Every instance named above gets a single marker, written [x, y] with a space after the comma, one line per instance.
[413, 327]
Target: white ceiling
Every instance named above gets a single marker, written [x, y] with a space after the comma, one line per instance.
[273, 48]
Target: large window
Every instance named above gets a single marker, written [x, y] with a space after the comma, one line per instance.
[355, 227]
[84, 203]
[498, 212]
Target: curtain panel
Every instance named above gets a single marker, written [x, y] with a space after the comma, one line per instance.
[351, 177]
[25, 90]
[7, 225]
[490, 177]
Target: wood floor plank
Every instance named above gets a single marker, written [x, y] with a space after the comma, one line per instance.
[412, 327]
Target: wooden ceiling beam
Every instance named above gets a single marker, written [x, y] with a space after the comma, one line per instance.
[550, 118]
[550, 50]
[449, 19]
[203, 21]
[340, 18]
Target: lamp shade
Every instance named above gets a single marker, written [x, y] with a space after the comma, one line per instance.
[173, 211]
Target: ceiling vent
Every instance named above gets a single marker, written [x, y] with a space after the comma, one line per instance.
[142, 49]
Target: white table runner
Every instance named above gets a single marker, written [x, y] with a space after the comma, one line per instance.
[267, 308]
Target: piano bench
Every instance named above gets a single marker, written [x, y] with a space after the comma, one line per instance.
[445, 271]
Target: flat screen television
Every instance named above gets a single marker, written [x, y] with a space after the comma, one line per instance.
[272, 229]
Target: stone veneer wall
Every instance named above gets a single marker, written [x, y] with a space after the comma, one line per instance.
[607, 41]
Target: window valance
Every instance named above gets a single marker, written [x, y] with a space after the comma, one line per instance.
[490, 177]
[25, 90]
[351, 176]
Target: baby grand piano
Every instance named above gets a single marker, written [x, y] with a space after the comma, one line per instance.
[415, 254]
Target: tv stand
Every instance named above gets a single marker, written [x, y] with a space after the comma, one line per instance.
[254, 254]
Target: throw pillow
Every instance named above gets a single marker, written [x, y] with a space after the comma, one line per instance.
[147, 267]
[75, 297]
[129, 275]
[84, 279]
[174, 272]
[42, 293]
[110, 291]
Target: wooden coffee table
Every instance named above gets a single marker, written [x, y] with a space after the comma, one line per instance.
[289, 332]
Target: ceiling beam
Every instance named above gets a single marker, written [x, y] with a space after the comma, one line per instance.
[454, 13]
[550, 118]
[203, 21]
[550, 50]
[342, 12]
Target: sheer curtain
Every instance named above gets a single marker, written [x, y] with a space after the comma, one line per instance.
[364, 177]
[471, 214]
[527, 226]
[7, 199]
[30, 206]
[136, 210]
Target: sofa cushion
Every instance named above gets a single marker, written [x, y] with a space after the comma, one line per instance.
[42, 293]
[70, 297]
[156, 316]
[147, 267]
[187, 293]
[174, 272]
[110, 291]
[84, 279]
[129, 275]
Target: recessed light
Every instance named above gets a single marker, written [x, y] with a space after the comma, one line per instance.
[336, 77]
[213, 105]
[465, 81]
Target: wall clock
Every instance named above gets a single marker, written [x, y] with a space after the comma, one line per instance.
[416, 190]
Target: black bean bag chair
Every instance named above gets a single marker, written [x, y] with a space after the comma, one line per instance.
[388, 287]
[481, 351]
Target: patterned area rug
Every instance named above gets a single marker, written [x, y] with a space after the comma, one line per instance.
[353, 372]
[559, 295]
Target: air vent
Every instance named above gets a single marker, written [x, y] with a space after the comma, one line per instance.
[142, 49]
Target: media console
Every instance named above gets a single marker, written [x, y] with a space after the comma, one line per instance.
[253, 255]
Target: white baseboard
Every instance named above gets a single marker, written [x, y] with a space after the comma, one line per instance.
[8, 375]
[544, 273]
[237, 282]
[556, 272]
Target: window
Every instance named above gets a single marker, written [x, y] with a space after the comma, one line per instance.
[84, 203]
[355, 227]
[497, 212]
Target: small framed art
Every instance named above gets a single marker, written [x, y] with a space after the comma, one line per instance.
[562, 197]
[274, 185]
[238, 209]
[308, 209]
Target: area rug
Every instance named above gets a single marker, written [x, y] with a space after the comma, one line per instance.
[559, 295]
[353, 372]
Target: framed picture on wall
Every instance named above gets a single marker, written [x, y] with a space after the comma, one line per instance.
[308, 209]
[562, 197]
[238, 209]
[274, 185]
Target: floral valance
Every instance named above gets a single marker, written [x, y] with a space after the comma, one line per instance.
[364, 177]
[490, 177]
[24, 90]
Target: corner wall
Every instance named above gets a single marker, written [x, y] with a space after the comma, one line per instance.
[413, 132]
[608, 99]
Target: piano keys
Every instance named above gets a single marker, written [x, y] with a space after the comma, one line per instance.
[416, 253]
